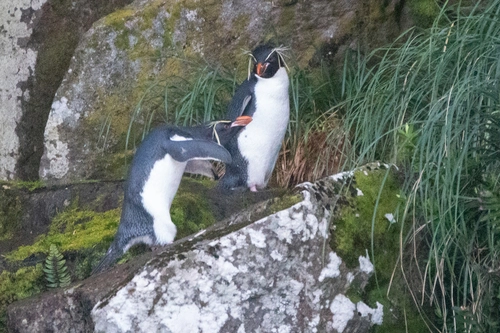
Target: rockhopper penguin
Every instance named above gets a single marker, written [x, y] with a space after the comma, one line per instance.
[154, 178]
[264, 97]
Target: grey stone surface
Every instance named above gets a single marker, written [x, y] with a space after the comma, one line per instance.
[17, 62]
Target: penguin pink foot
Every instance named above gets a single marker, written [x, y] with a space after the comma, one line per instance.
[253, 188]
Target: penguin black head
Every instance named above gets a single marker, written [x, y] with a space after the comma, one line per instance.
[267, 60]
[224, 130]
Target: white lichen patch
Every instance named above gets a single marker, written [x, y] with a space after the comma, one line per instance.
[257, 238]
[390, 217]
[339, 177]
[376, 315]
[293, 222]
[56, 150]
[365, 265]
[317, 296]
[343, 311]
[16, 66]
[276, 255]
[323, 225]
[332, 269]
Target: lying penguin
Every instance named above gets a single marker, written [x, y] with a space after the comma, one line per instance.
[154, 178]
[264, 97]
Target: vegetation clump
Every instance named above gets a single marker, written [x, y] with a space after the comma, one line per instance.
[429, 103]
[367, 223]
[14, 286]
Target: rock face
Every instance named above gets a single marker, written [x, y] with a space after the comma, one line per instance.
[16, 65]
[37, 41]
[277, 274]
[130, 50]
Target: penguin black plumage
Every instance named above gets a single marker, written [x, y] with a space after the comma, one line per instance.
[154, 178]
[264, 97]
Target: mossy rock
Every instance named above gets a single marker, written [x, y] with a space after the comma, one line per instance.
[10, 211]
[14, 286]
[364, 220]
[367, 224]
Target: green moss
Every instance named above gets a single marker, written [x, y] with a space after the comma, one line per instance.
[400, 313]
[118, 18]
[28, 185]
[359, 223]
[363, 220]
[284, 202]
[18, 285]
[122, 40]
[10, 211]
[190, 210]
[424, 12]
[73, 230]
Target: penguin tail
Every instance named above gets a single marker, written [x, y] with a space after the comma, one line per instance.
[108, 260]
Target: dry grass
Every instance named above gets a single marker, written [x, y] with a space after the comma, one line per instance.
[317, 155]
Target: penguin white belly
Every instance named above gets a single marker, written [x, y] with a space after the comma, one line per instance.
[158, 193]
[261, 140]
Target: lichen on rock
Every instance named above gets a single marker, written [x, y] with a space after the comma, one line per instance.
[266, 276]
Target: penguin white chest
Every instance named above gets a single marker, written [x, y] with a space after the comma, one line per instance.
[260, 141]
[157, 195]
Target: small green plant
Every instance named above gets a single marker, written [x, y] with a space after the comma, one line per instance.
[56, 271]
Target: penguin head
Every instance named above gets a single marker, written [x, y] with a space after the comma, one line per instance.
[224, 130]
[267, 60]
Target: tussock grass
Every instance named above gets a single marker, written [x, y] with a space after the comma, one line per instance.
[431, 104]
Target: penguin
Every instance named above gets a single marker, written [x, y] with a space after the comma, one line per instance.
[263, 96]
[154, 178]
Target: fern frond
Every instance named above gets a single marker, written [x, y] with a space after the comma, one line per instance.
[56, 271]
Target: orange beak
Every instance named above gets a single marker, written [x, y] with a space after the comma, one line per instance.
[261, 68]
[242, 121]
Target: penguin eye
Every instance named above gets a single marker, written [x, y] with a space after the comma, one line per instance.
[226, 126]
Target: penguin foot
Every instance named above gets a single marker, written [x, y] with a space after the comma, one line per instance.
[253, 188]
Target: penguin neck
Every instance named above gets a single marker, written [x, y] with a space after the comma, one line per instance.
[278, 83]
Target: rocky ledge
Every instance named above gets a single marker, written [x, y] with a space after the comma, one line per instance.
[277, 274]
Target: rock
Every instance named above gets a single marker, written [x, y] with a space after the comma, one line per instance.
[275, 274]
[37, 40]
[133, 49]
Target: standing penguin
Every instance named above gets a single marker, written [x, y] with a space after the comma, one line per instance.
[154, 178]
[264, 97]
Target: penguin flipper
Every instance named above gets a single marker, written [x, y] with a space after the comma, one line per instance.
[240, 103]
[183, 151]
